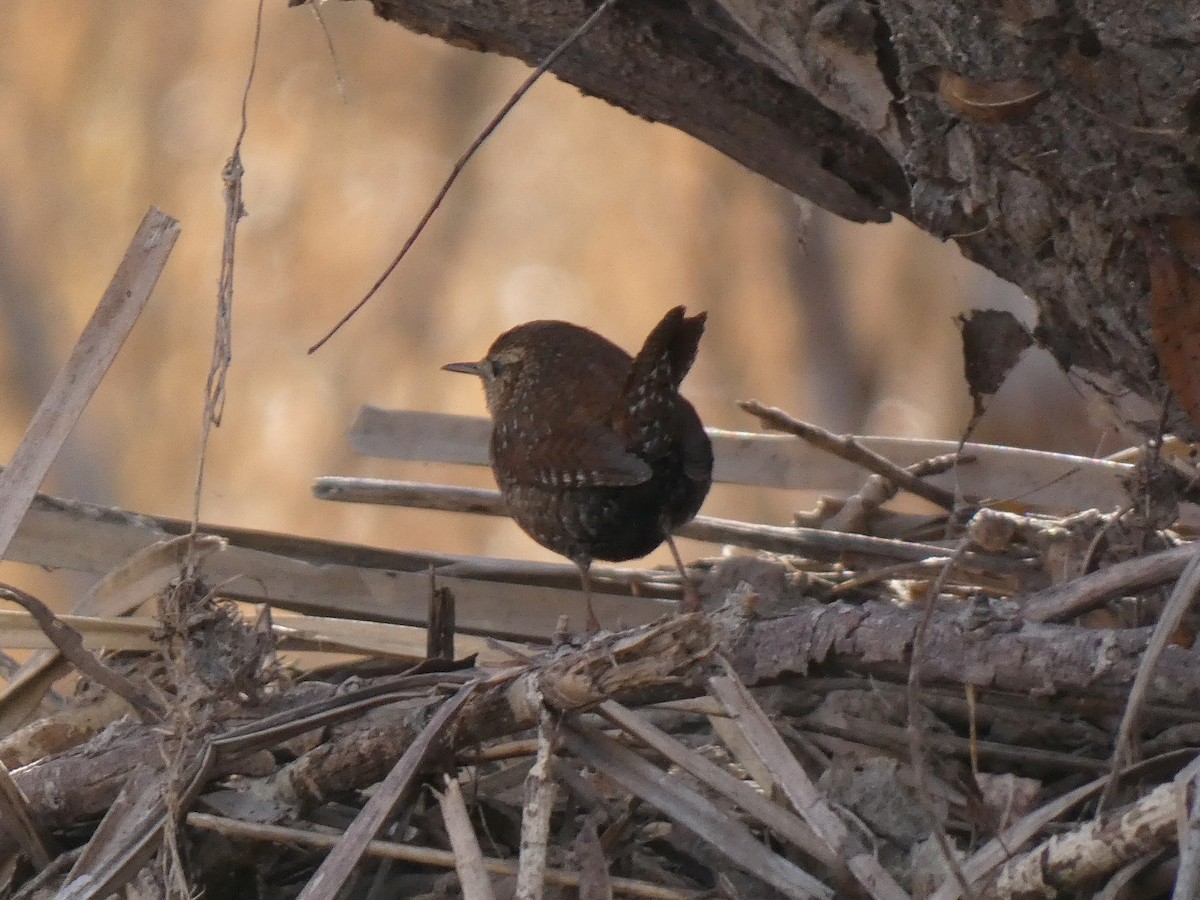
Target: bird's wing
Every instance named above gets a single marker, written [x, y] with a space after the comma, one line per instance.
[588, 456]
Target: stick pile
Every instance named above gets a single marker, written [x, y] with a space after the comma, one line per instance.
[995, 699]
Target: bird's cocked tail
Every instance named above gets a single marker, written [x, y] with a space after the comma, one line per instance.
[668, 351]
[646, 408]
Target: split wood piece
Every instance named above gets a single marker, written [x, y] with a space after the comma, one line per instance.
[468, 856]
[501, 598]
[406, 643]
[727, 733]
[335, 870]
[813, 543]
[791, 778]
[783, 823]
[692, 811]
[425, 856]
[1048, 482]
[596, 883]
[81, 374]
[439, 635]
[71, 390]
[131, 830]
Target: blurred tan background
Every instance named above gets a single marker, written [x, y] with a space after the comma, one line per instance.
[573, 210]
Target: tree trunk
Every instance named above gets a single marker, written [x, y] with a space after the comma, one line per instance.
[1054, 142]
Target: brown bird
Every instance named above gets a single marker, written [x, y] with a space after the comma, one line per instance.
[596, 453]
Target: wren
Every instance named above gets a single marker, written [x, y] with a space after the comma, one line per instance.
[597, 454]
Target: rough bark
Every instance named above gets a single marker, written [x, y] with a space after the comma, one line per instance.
[1050, 140]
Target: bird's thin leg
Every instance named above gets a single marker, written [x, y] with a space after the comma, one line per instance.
[691, 596]
[593, 624]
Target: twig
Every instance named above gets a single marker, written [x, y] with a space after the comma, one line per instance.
[1084, 593]
[540, 789]
[816, 543]
[506, 750]
[425, 856]
[893, 737]
[856, 511]
[885, 573]
[916, 733]
[1181, 599]
[222, 353]
[15, 818]
[70, 645]
[851, 450]
[339, 78]
[543, 67]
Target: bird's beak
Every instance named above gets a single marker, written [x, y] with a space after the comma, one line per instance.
[466, 368]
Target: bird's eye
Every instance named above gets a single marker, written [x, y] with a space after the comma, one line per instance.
[495, 367]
